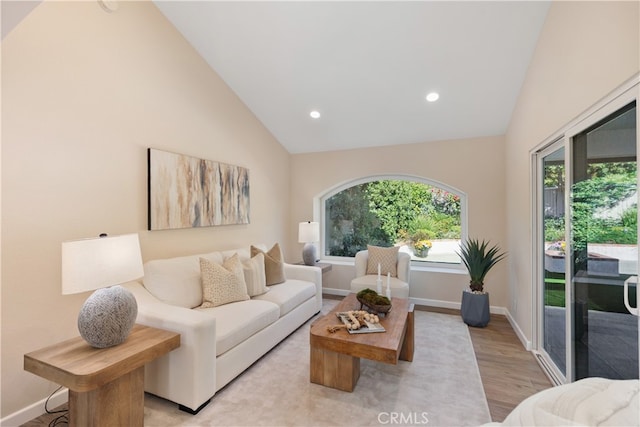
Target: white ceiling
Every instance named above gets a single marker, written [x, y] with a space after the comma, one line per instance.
[367, 66]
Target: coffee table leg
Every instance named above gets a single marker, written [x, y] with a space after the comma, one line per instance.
[334, 370]
[406, 352]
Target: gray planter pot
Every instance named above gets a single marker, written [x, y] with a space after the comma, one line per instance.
[475, 309]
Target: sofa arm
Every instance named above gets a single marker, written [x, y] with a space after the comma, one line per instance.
[303, 272]
[186, 375]
[307, 273]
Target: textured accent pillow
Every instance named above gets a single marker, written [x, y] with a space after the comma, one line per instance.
[273, 264]
[254, 275]
[222, 284]
[386, 257]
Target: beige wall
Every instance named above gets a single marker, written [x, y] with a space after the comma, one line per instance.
[474, 166]
[84, 93]
[585, 50]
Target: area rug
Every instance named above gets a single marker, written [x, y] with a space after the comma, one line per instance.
[441, 387]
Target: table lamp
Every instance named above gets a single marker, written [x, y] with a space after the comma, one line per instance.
[308, 233]
[107, 316]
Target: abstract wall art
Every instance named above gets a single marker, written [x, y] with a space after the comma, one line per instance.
[189, 192]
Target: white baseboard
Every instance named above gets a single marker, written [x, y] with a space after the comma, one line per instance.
[35, 410]
[523, 339]
[421, 301]
[333, 291]
[435, 303]
[455, 306]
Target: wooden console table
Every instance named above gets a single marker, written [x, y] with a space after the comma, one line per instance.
[106, 386]
[324, 266]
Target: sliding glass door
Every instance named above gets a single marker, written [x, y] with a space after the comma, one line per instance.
[604, 252]
[587, 248]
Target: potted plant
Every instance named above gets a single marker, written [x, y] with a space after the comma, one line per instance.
[420, 243]
[479, 258]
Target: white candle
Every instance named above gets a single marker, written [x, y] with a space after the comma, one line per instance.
[378, 270]
[388, 279]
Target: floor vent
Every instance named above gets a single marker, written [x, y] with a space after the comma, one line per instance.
[547, 369]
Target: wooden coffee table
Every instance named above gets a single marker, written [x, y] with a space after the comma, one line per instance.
[335, 357]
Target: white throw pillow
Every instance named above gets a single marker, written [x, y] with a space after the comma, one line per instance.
[254, 275]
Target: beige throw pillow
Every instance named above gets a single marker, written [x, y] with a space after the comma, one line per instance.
[222, 284]
[386, 257]
[254, 275]
[273, 264]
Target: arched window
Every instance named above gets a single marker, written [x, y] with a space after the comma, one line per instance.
[425, 218]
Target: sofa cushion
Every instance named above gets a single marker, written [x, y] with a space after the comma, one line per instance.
[387, 258]
[273, 264]
[243, 253]
[254, 275]
[238, 321]
[176, 281]
[289, 295]
[222, 284]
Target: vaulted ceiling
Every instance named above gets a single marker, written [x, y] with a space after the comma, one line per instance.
[367, 66]
[364, 66]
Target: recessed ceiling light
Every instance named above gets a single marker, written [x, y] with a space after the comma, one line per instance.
[433, 96]
[315, 114]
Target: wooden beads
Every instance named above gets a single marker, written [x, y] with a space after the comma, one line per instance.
[356, 318]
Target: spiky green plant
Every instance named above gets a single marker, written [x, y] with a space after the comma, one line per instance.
[479, 258]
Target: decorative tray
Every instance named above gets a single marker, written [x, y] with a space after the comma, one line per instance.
[366, 328]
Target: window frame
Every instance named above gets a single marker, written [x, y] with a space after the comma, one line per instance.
[320, 210]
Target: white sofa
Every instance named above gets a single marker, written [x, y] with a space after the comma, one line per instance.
[587, 402]
[217, 344]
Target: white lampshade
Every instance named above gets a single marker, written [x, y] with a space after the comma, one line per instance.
[95, 263]
[308, 232]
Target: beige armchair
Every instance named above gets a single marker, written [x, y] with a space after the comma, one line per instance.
[399, 284]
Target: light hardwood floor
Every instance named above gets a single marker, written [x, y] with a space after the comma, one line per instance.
[509, 373]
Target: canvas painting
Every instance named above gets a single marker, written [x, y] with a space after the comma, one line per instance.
[189, 192]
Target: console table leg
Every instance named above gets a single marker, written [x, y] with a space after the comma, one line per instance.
[117, 403]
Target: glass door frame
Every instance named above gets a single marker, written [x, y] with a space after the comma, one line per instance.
[557, 143]
[619, 98]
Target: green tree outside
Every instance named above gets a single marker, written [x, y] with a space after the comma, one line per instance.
[387, 212]
[606, 186]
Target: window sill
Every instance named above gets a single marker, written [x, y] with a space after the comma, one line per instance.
[439, 269]
[423, 268]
